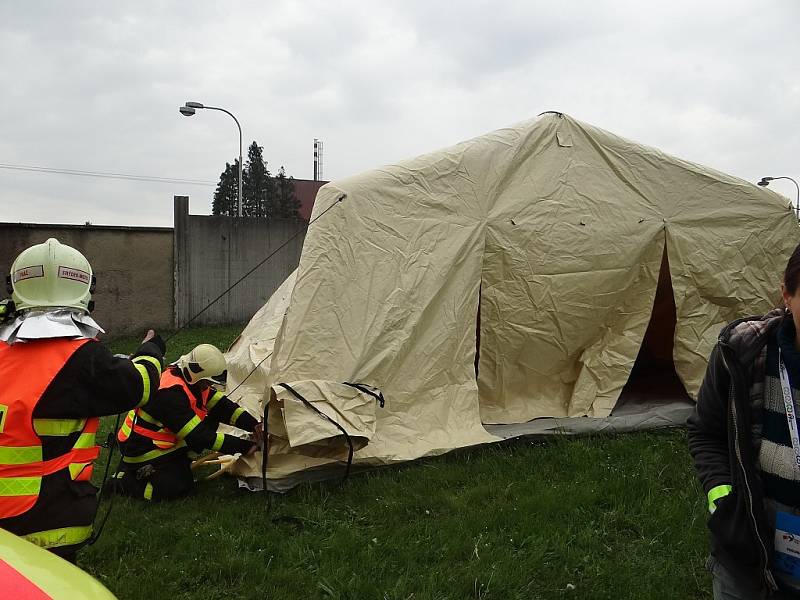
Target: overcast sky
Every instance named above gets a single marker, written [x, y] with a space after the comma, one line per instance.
[96, 87]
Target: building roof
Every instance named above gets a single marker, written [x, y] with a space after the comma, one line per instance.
[306, 192]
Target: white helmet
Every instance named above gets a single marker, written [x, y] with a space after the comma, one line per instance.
[203, 362]
[51, 275]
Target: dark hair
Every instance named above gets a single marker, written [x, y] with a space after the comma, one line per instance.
[791, 276]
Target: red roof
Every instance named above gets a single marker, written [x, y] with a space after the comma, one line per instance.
[306, 191]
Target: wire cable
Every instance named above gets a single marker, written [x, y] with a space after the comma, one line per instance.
[253, 370]
[251, 271]
[105, 175]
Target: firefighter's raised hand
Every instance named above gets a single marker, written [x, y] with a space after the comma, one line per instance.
[154, 338]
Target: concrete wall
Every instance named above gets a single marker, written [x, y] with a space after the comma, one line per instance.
[211, 253]
[148, 277]
[133, 265]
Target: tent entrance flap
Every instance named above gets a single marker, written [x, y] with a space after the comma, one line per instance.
[653, 379]
[653, 395]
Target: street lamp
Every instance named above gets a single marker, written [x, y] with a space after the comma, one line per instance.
[189, 109]
[765, 182]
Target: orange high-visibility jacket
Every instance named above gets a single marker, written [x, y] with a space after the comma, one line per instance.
[164, 438]
[22, 465]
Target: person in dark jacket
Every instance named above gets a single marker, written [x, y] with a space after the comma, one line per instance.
[159, 441]
[57, 380]
[746, 450]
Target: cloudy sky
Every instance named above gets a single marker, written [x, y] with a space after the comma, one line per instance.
[96, 87]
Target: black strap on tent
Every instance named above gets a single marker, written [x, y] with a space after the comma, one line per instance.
[308, 404]
[359, 386]
[264, 450]
[363, 388]
[251, 271]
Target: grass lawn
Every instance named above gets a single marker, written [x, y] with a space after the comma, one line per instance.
[597, 517]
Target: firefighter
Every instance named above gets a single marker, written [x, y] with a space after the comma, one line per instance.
[57, 380]
[159, 441]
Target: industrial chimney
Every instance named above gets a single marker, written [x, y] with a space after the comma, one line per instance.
[317, 160]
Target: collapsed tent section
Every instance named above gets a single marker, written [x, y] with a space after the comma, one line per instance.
[544, 243]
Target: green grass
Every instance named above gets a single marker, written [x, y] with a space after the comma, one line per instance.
[616, 517]
[221, 336]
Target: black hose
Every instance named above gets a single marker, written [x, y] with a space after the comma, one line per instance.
[96, 532]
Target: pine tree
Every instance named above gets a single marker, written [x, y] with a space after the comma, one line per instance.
[287, 203]
[226, 196]
[257, 193]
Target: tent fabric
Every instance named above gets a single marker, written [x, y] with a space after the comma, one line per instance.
[340, 404]
[630, 417]
[531, 254]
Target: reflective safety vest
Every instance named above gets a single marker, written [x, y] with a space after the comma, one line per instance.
[164, 439]
[26, 370]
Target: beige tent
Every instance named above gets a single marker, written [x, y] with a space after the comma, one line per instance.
[508, 280]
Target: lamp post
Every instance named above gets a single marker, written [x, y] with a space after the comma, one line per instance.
[765, 182]
[189, 109]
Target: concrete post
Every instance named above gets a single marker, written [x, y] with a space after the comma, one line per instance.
[180, 252]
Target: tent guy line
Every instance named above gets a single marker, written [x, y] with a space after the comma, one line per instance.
[251, 271]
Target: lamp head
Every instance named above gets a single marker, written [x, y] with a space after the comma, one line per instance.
[195, 105]
[765, 181]
[187, 111]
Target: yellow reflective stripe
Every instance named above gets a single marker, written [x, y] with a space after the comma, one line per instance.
[60, 427]
[716, 493]
[148, 491]
[20, 455]
[76, 469]
[218, 442]
[144, 416]
[145, 384]
[215, 398]
[152, 360]
[85, 440]
[66, 536]
[20, 486]
[153, 454]
[163, 445]
[236, 414]
[189, 427]
[126, 428]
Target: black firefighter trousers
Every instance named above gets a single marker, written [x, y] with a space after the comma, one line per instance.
[154, 482]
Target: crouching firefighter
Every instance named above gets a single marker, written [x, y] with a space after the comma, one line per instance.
[57, 380]
[159, 441]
